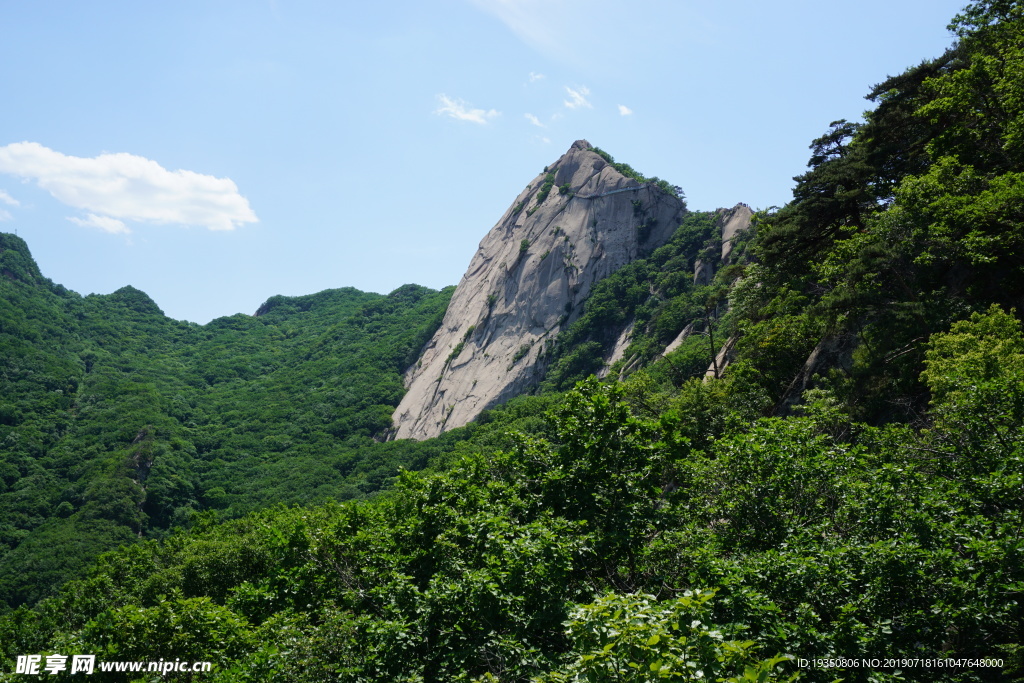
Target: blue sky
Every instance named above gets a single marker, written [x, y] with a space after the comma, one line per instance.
[214, 153]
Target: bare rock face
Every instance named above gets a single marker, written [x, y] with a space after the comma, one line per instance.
[732, 222]
[618, 351]
[575, 224]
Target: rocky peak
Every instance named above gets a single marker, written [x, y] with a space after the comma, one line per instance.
[577, 222]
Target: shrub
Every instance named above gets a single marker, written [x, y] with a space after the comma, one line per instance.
[545, 189]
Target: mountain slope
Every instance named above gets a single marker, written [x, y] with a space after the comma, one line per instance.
[117, 423]
[572, 226]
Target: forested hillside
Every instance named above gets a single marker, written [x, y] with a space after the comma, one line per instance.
[117, 423]
[829, 466]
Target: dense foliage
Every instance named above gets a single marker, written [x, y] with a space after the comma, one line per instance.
[118, 423]
[609, 545]
[847, 482]
[657, 299]
[908, 221]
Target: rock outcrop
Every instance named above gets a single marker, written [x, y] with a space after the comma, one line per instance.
[576, 223]
[732, 221]
[618, 350]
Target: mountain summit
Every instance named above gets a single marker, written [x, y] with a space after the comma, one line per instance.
[577, 222]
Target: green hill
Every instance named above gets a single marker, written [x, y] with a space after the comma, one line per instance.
[118, 423]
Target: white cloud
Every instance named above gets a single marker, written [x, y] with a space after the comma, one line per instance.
[5, 215]
[535, 77]
[117, 187]
[578, 98]
[534, 120]
[104, 223]
[624, 110]
[8, 199]
[460, 110]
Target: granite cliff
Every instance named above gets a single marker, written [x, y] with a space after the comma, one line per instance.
[574, 224]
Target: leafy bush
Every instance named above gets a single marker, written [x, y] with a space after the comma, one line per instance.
[545, 188]
[639, 638]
